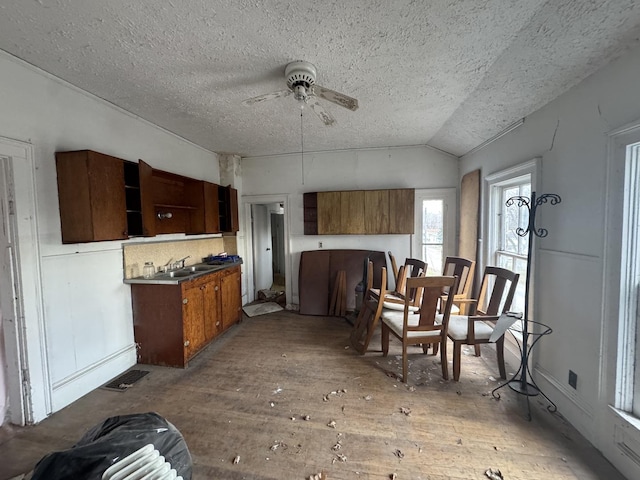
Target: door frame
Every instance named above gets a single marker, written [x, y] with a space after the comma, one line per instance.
[247, 201]
[24, 328]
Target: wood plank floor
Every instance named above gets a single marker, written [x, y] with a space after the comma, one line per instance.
[252, 388]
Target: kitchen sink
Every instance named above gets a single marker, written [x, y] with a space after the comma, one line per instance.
[203, 268]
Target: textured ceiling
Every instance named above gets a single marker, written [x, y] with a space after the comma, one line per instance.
[450, 74]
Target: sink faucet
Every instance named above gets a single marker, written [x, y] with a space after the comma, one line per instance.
[180, 263]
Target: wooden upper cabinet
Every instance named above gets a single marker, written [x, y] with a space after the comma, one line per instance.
[211, 208]
[329, 213]
[376, 211]
[91, 195]
[146, 197]
[228, 209]
[358, 212]
[352, 212]
[401, 210]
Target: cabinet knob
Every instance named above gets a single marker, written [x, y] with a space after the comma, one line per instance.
[203, 287]
[217, 288]
[186, 344]
[217, 323]
[185, 300]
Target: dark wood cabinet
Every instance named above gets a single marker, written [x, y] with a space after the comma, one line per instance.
[172, 323]
[92, 197]
[107, 198]
[228, 209]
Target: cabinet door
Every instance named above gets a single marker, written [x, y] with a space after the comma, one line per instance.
[146, 199]
[401, 208]
[376, 211]
[193, 318]
[352, 212]
[211, 309]
[230, 297]
[329, 222]
[91, 196]
[211, 208]
[233, 209]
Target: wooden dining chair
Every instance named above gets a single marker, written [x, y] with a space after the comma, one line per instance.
[463, 268]
[370, 311]
[412, 268]
[496, 295]
[423, 327]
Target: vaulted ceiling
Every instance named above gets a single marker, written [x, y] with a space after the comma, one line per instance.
[445, 73]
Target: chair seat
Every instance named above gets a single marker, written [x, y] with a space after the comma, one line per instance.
[458, 328]
[395, 321]
[396, 303]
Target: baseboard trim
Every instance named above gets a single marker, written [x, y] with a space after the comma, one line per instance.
[70, 388]
[569, 395]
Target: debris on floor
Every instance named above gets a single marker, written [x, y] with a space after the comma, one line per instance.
[398, 453]
[278, 444]
[319, 476]
[236, 460]
[332, 424]
[405, 410]
[339, 457]
[494, 474]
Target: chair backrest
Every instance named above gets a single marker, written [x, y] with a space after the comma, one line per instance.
[496, 291]
[394, 265]
[462, 268]
[412, 268]
[431, 288]
[369, 275]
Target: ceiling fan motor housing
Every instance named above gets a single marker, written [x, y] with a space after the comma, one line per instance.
[300, 74]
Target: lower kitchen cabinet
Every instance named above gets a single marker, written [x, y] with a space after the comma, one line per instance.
[173, 322]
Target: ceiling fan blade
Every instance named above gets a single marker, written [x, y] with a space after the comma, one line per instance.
[265, 97]
[319, 110]
[335, 97]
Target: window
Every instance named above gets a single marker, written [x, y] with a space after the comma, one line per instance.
[628, 374]
[435, 227]
[505, 248]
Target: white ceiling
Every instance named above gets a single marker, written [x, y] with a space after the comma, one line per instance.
[447, 73]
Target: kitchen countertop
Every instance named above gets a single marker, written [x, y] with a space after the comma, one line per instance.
[185, 274]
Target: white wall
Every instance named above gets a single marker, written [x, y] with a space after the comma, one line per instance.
[87, 308]
[570, 134]
[409, 167]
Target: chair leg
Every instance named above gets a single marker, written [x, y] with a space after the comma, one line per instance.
[457, 353]
[385, 340]
[435, 348]
[477, 349]
[373, 323]
[443, 357]
[359, 329]
[500, 352]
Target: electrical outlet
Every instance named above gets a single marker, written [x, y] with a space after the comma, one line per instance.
[319, 244]
[573, 379]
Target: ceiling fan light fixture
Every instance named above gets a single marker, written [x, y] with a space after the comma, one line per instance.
[300, 93]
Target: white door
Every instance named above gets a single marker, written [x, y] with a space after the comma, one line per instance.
[262, 253]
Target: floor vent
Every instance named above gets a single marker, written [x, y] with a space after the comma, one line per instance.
[126, 380]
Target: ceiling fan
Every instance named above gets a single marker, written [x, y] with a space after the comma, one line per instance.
[301, 82]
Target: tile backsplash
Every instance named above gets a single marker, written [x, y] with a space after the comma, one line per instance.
[136, 254]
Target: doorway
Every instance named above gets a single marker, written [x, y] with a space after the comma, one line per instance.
[268, 262]
[27, 375]
[268, 252]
